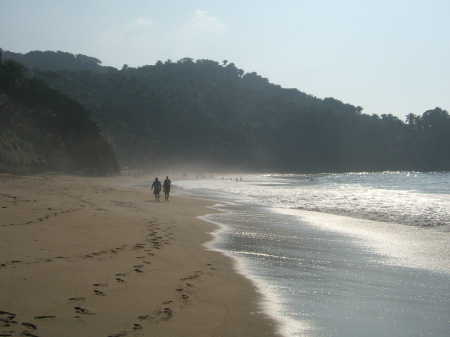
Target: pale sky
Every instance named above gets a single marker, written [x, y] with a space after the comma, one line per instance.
[387, 56]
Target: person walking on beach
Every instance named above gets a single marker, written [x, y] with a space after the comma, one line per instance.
[166, 188]
[156, 187]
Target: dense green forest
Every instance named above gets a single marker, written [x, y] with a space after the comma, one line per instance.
[42, 130]
[209, 113]
[59, 60]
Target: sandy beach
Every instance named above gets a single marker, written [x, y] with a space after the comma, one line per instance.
[99, 257]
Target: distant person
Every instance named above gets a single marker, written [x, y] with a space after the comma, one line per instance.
[166, 188]
[156, 187]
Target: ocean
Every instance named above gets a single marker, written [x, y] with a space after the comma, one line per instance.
[355, 254]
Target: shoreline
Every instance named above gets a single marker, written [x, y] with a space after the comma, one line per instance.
[91, 256]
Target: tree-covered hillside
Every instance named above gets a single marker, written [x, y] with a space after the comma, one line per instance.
[43, 130]
[55, 61]
[202, 111]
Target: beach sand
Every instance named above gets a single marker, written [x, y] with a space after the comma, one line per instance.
[99, 257]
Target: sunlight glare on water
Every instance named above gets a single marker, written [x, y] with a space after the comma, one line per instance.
[358, 254]
[420, 200]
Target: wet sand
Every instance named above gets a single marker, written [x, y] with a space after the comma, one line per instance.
[98, 257]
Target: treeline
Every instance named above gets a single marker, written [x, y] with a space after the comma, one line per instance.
[202, 111]
[54, 61]
[42, 130]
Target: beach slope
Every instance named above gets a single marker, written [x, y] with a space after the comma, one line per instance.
[99, 257]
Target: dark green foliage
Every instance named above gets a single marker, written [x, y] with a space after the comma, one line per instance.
[43, 130]
[429, 138]
[50, 60]
[205, 112]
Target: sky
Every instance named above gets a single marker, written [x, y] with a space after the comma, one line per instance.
[387, 56]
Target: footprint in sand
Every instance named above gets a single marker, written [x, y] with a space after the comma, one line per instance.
[99, 293]
[28, 334]
[99, 253]
[7, 319]
[190, 277]
[84, 311]
[7, 313]
[161, 315]
[211, 266]
[100, 284]
[44, 317]
[73, 299]
[30, 326]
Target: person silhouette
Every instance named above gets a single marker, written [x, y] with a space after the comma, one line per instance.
[156, 187]
[166, 188]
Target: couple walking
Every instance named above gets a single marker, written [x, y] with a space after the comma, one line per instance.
[156, 187]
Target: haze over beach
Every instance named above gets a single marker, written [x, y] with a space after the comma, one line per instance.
[308, 148]
[389, 57]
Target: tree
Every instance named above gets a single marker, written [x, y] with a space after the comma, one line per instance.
[42, 129]
[213, 112]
